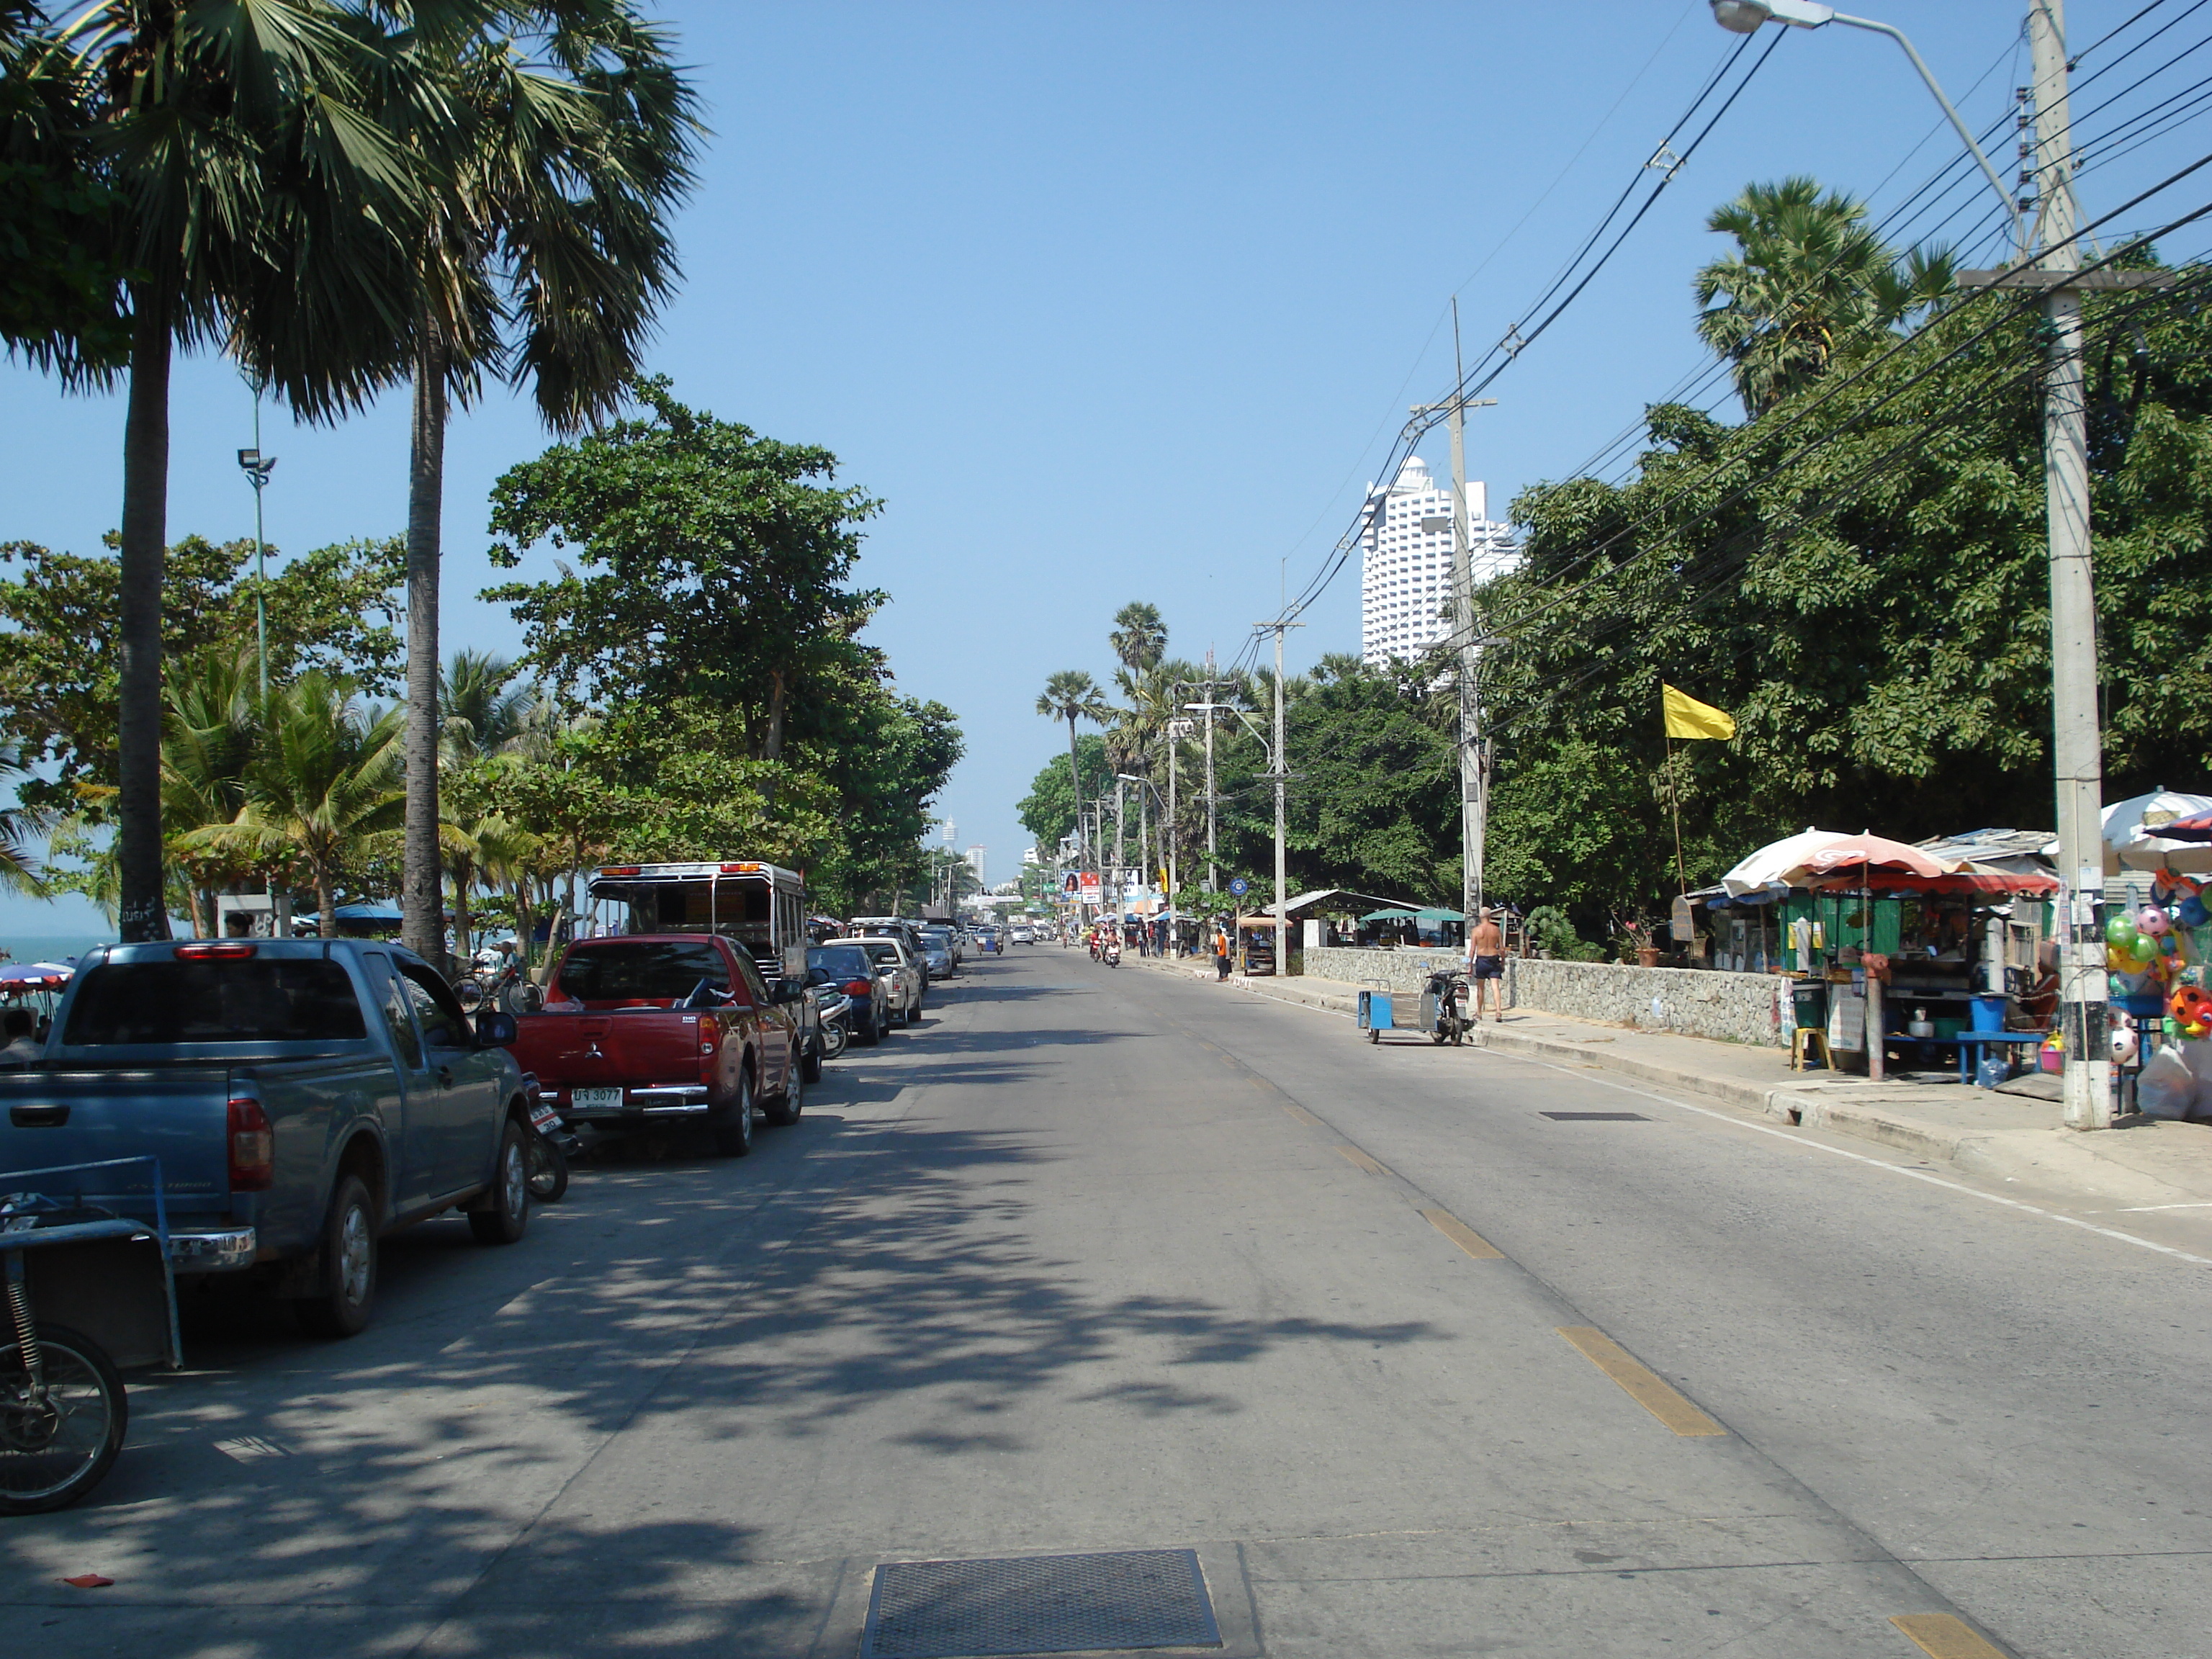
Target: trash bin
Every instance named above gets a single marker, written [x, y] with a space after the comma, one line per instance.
[1811, 999]
[1989, 1013]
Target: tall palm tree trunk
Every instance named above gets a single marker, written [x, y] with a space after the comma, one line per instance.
[421, 926]
[143, 910]
[1075, 786]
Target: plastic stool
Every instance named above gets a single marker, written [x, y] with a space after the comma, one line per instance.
[1802, 1040]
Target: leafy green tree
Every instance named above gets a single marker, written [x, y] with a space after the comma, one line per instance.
[1048, 811]
[332, 609]
[560, 137]
[711, 564]
[1809, 285]
[1373, 808]
[207, 745]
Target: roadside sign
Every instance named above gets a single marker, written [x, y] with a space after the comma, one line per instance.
[1088, 892]
[1238, 886]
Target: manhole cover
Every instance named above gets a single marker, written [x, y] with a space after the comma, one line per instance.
[1039, 1604]
[1595, 1117]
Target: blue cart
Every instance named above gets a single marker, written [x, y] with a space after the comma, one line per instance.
[62, 1407]
[1376, 1012]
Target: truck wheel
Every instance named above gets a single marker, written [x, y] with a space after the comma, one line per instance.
[784, 1112]
[811, 1070]
[733, 1138]
[349, 1295]
[507, 1218]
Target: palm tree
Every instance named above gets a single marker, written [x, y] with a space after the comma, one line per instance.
[1809, 284]
[259, 208]
[571, 148]
[1070, 695]
[1140, 638]
[18, 827]
[207, 744]
[325, 785]
[480, 708]
[485, 849]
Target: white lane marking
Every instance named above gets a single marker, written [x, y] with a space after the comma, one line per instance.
[1877, 1163]
[2136, 1209]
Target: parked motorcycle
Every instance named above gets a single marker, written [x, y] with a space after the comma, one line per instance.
[1443, 1006]
[836, 1009]
[551, 1146]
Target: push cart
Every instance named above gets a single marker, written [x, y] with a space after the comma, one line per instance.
[89, 1295]
[1375, 1011]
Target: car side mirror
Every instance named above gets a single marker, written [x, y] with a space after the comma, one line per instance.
[495, 1029]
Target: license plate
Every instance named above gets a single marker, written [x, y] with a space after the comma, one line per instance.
[543, 1117]
[586, 1098]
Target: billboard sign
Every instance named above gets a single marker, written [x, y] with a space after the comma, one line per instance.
[1088, 890]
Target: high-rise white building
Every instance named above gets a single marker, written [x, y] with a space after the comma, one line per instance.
[1406, 560]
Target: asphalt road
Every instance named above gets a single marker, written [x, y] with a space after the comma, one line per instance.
[1100, 1260]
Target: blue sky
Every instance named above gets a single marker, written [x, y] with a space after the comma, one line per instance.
[1125, 302]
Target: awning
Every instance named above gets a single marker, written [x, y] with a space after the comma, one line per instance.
[1993, 883]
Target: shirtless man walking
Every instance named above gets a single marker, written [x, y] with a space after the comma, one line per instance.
[1486, 963]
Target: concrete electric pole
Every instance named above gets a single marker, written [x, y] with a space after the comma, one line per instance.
[1207, 708]
[1281, 772]
[1473, 749]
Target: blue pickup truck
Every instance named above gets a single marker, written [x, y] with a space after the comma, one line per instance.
[304, 1098]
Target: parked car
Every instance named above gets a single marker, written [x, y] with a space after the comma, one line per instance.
[936, 953]
[850, 967]
[906, 987]
[657, 1028]
[305, 1099]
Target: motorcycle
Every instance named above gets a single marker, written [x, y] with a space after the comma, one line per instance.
[1112, 954]
[552, 1143]
[1443, 1006]
[836, 1008]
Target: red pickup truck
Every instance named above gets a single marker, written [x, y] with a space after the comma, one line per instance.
[641, 1029]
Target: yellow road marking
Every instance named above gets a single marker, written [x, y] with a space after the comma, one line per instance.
[1639, 1381]
[1359, 1160]
[1302, 1114]
[1463, 1235]
[1939, 1636]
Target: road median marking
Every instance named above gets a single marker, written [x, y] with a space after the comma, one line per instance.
[1463, 1235]
[1939, 1636]
[1359, 1160]
[1300, 1115]
[1639, 1381]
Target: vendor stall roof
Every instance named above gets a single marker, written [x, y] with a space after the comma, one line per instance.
[1973, 881]
[1321, 898]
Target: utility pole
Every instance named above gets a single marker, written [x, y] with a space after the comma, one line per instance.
[1281, 772]
[1121, 856]
[1473, 748]
[1176, 730]
[2076, 745]
[1207, 708]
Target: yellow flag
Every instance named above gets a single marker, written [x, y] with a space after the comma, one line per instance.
[1688, 718]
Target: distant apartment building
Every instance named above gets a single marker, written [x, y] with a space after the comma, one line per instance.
[1405, 560]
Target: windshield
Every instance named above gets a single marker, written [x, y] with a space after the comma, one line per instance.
[883, 955]
[838, 962]
[296, 1000]
[641, 971]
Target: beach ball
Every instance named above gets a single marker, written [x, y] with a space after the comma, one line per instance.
[2191, 912]
[2125, 1045]
[2151, 920]
[2191, 1009]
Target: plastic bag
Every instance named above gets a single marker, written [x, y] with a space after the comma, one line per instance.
[2166, 1087]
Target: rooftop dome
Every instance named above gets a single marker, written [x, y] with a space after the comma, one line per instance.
[1413, 477]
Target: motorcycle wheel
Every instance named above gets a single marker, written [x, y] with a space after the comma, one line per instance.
[50, 1457]
[833, 1039]
[520, 997]
[1459, 1030]
[549, 1171]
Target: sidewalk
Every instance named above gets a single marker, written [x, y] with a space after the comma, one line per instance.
[1995, 1136]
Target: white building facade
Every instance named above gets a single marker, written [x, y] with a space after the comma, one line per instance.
[1405, 560]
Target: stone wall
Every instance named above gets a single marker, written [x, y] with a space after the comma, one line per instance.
[1733, 1007]
[1402, 971]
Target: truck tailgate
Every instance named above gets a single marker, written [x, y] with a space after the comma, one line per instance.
[180, 1115]
[626, 1046]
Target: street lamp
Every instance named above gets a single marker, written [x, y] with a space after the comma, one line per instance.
[257, 468]
[1746, 16]
[2077, 748]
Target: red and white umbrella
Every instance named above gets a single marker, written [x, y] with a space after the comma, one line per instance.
[1868, 852]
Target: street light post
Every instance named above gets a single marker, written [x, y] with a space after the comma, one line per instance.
[2077, 749]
